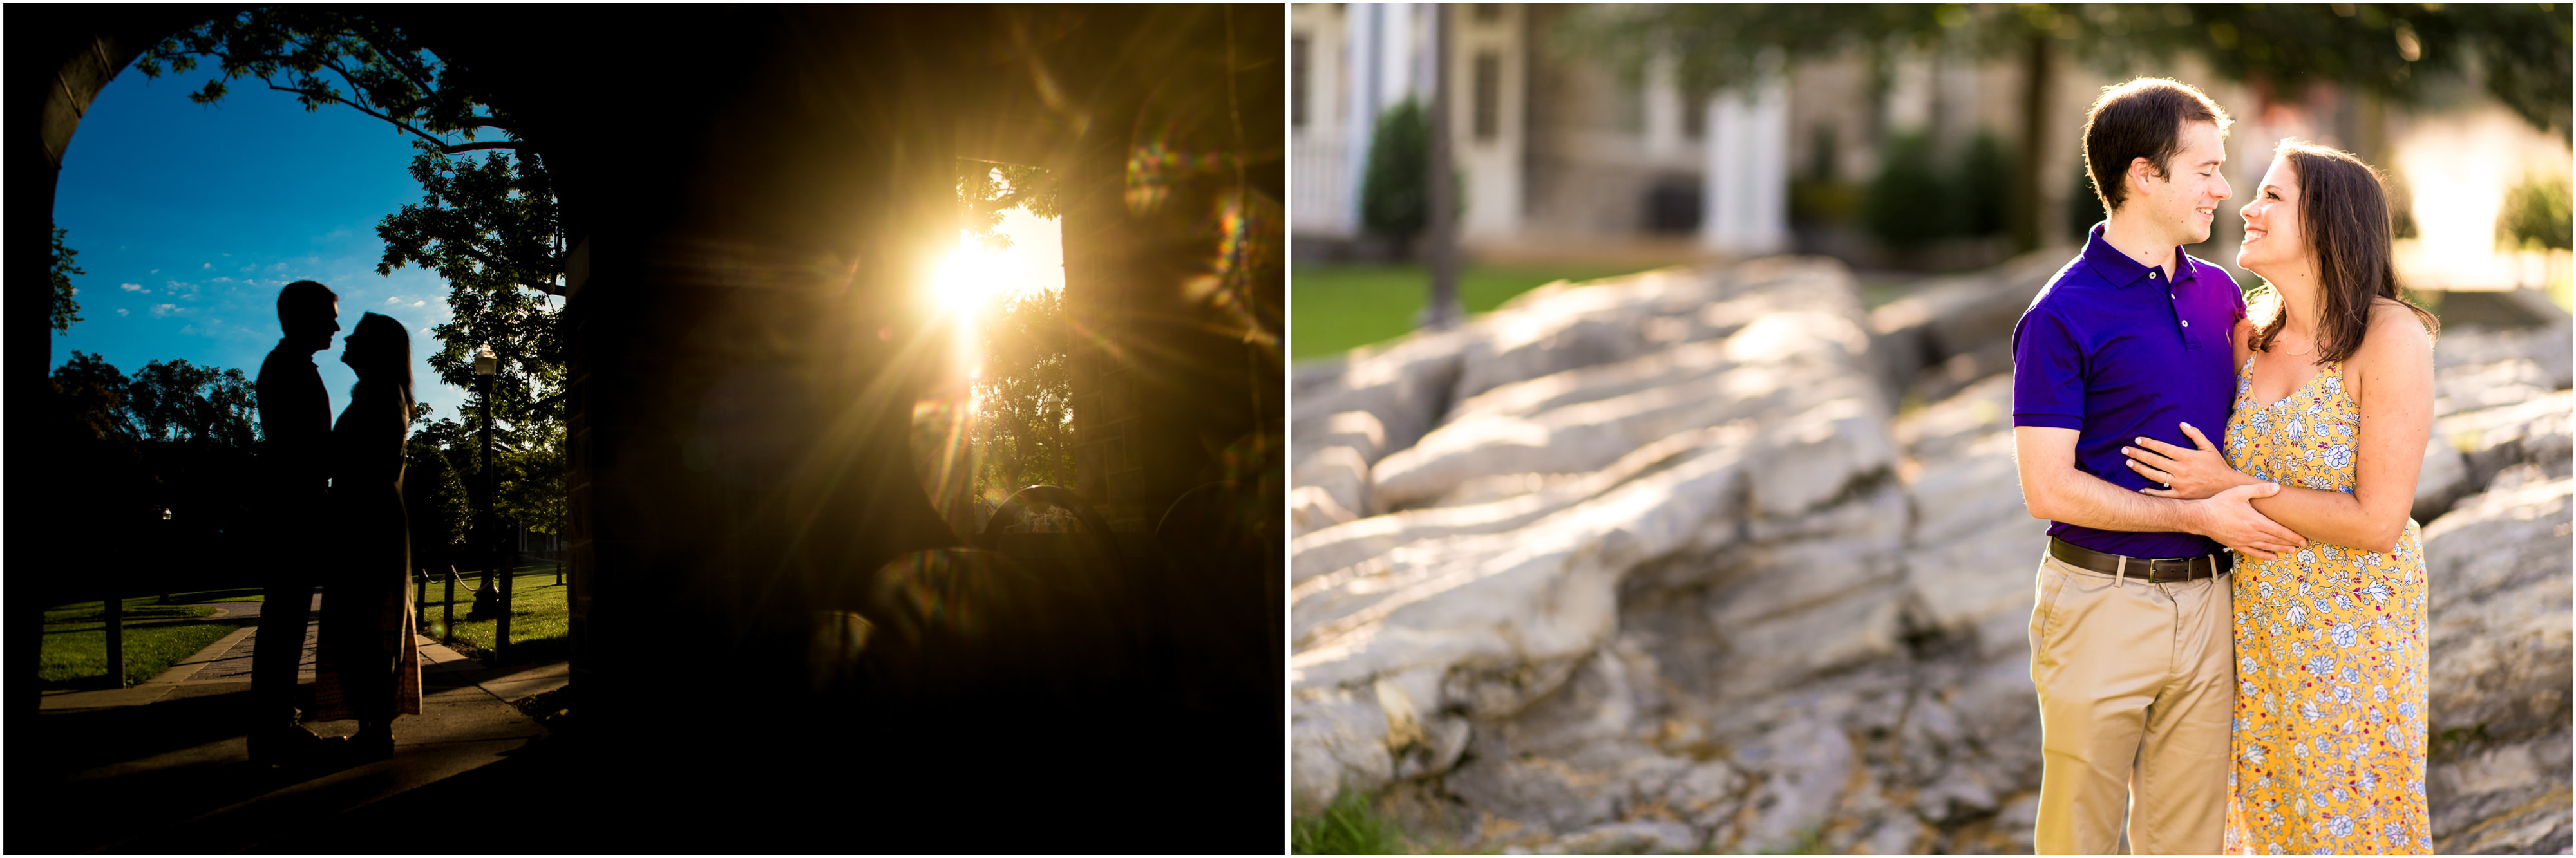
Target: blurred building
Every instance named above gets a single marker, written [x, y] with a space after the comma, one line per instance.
[1559, 155]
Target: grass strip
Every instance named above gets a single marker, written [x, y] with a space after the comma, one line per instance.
[78, 656]
[540, 615]
[1351, 825]
[1335, 308]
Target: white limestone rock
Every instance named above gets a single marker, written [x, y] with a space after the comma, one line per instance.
[1643, 837]
[1341, 472]
[2500, 648]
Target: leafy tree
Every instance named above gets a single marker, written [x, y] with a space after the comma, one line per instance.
[532, 481]
[66, 310]
[1025, 395]
[177, 400]
[96, 390]
[434, 490]
[492, 230]
[301, 49]
[2384, 50]
[2391, 50]
[990, 188]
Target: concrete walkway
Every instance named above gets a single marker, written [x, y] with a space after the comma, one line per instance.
[164, 766]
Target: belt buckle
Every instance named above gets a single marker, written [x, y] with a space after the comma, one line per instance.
[2188, 570]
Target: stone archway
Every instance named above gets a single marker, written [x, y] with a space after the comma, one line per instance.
[751, 193]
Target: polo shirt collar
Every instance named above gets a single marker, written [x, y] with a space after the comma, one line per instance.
[2118, 269]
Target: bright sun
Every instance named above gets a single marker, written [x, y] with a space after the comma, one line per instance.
[970, 276]
[973, 276]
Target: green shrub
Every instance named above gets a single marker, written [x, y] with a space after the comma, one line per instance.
[1910, 202]
[2083, 205]
[1822, 201]
[2535, 212]
[1351, 825]
[1985, 186]
[1395, 191]
[1919, 196]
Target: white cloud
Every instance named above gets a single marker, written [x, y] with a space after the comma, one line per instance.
[124, 312]
[208, 266]
[165, 310]
[397, 299]
[134, 287]
[153, 271]
[418, 303]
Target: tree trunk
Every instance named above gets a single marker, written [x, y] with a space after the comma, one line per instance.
[2027, 220]
[1442, 237]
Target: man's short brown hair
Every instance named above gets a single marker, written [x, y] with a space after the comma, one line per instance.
[2140, 119]
[304, 295]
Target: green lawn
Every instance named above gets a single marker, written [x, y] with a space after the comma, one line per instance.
[1334, 308]
[540, 614]
[74, 651]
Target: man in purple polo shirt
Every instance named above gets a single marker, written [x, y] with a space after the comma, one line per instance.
[2131, 645]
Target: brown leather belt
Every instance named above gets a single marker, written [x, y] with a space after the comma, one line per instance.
[2153, 571]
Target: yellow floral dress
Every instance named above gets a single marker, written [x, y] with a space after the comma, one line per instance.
[2329, 743]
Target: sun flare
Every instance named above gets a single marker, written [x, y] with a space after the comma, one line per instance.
[970, 276]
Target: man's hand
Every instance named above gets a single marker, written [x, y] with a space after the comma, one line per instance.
[2229, 517]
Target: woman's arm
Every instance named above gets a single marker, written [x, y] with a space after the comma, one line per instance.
[2391, 379]
[2200, 471]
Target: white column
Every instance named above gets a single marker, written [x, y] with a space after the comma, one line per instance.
[1744, 196]
[1363, 36]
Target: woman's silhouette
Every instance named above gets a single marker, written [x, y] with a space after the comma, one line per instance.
[368, 666]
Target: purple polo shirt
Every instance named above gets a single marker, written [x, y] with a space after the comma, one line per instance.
[2111, 350]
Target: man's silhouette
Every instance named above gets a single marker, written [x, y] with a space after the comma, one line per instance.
[295, 418]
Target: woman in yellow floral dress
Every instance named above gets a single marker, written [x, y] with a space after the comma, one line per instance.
[2334, 401]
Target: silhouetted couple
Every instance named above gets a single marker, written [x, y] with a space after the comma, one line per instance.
[335, 518]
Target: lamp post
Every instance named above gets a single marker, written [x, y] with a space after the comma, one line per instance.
[486, 365]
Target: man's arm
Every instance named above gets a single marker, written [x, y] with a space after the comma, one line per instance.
[2053, 489]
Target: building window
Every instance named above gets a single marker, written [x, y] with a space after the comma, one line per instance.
[1298, 83]
[1489, 96]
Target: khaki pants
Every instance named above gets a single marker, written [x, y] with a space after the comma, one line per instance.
[2137, 686]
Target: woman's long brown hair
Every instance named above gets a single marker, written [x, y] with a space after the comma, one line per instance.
[385, 356]
[2343, 209]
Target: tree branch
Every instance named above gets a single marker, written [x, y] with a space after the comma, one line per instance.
[336, 99]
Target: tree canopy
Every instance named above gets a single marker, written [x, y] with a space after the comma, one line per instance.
[489, 226]
[990, 188]
[66, 310]
[1025, 394]
[300, 50]
[2521, 49]
[491, 229]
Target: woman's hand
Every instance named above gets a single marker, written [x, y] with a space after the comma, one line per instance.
[2186, 474]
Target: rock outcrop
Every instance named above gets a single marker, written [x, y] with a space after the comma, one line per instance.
[1650, 566]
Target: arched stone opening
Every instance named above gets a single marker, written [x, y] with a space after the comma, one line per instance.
[753, 194]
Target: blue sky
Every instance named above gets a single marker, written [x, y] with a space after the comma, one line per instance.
[189, 218]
